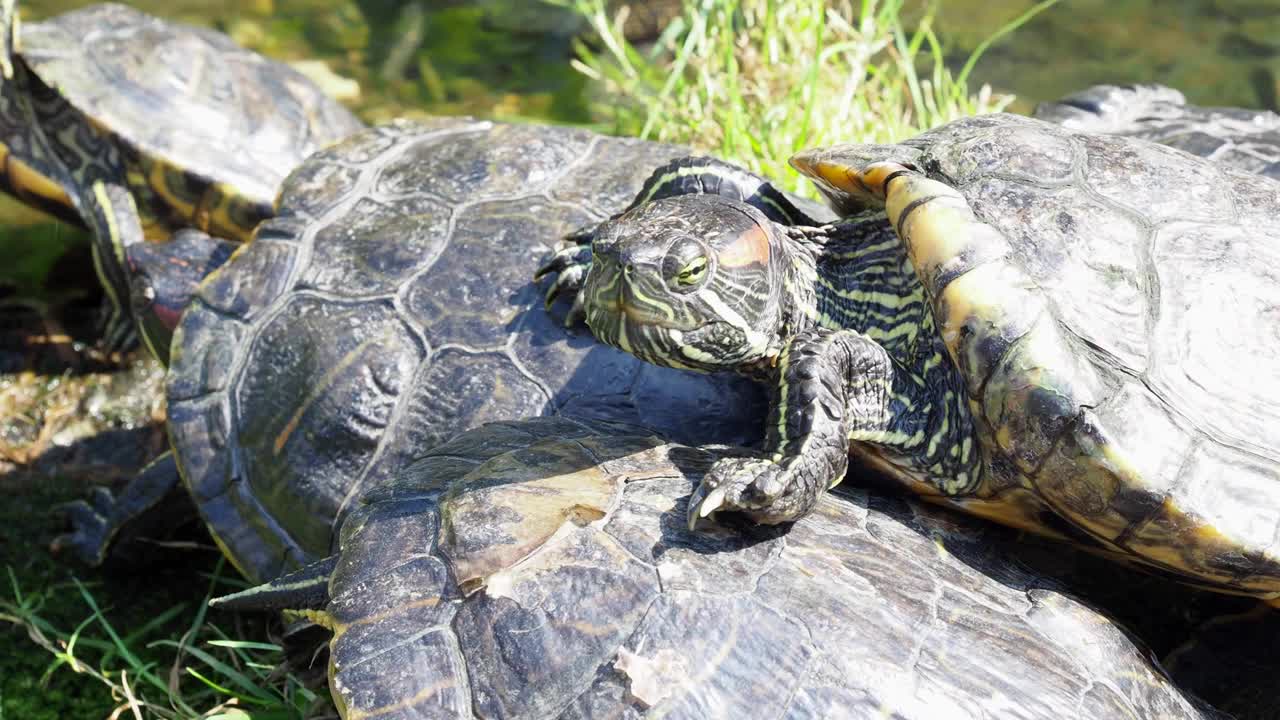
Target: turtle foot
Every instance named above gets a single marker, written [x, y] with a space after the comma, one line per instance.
[759, 488]
[120, 528]
[91, 528]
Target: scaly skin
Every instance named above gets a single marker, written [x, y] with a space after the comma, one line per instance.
[36, 150]
[832, 318]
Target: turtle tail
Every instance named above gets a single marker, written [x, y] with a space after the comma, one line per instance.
[305, 589]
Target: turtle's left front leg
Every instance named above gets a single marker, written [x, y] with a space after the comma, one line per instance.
[832, 384]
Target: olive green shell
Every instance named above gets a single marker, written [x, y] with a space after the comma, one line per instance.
[543, 569]
[187, 97]
[1114, 314]
[1239, 138]
[388, 306]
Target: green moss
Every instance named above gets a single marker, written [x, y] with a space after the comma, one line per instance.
[143, 615]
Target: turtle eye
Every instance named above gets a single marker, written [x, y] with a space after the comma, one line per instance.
[692, 272]
[686, 265]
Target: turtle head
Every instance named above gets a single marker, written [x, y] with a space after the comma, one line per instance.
[163, 277]
[693, 281]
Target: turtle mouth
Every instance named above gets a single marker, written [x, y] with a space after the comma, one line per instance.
[642, 316]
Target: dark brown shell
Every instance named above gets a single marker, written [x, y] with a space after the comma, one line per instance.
[388, 307]
[186, 96]
[544, 569]
[1238, 138]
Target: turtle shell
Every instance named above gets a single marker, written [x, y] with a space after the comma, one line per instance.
[201, 108]
[1120, 341]
[1241, 138]
[456, 593]
[389, 306]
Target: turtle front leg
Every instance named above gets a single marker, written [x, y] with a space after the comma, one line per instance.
[832, 385]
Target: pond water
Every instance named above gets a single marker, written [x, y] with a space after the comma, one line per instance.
[1218, 52]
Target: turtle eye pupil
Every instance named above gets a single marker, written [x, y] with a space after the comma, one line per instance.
[692, 272]
[686, 265]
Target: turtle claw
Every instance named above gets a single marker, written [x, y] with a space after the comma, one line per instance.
[712, 502]
[567, 283]
[817, 234]
[566, 257]
[726, 486]
[577, 314]
[583, 235]
[570, 265]
[759, 488]
[704, 501]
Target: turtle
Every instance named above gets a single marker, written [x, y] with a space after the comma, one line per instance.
[1059, 330]
[1242, 138]
[543, 569]
[385, 307]
[135, 127]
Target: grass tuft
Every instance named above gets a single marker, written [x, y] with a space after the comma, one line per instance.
[755, 81]
[201, 674]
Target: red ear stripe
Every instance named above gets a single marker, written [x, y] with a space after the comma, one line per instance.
[750, 247]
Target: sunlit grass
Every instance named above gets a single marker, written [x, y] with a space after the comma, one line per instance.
[755, 81]
[204, 673]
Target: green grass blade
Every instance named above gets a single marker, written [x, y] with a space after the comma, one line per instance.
[758, 80]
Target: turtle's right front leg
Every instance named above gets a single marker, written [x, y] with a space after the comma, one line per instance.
[833, 387]
[93, 172]
[50, 161]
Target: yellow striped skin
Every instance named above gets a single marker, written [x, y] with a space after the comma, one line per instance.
[831, 319]
[34, 186]
[961, 354]
[1032, 395]
[183, 200]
